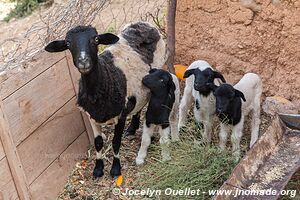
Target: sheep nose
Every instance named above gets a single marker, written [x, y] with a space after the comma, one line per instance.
[83, 59]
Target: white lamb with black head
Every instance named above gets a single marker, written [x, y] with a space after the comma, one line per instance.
[110, 87]
[162, 111]
[233, 104]
[198, 75]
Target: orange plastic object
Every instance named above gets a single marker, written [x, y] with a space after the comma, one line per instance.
[179, 71]
[119, 181]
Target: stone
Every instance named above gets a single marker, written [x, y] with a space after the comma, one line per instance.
[278, 104]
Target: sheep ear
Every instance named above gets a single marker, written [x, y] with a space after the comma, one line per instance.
[107, 38]
[152, 70]
[240, 94]
[212, 86]
[188, 73]
[56, 46]
[220, 76]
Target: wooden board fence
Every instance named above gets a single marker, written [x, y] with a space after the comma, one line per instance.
[42, 133]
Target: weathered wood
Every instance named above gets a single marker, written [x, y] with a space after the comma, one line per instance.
[88, 127]
[43, 146]
[35, 102]
[15, 165]
[171, 34]
[51, 181]
[75, 75]
[7, 186]
[14, 79]
[2, 154]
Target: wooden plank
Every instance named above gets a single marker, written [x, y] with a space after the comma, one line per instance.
[7, 186]
[59, 171]
[14, 79]
[73, 71]
[34, 103]
[14, 162]
[44, 145]
[2, 154]
[75, 75]
[88, 127]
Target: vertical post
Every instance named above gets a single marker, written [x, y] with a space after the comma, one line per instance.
[171, 34]
[12, 156]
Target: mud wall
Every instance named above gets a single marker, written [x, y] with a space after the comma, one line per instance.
[236, 40]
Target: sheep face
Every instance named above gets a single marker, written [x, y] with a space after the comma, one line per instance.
[157, 80]
[226, 98]
[82, 41]
[203, 78]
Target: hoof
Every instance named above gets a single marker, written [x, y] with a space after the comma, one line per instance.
[139, 161]
[129, 134]
[98, 170]
[130, 131]
[97, 173]
[116, 168]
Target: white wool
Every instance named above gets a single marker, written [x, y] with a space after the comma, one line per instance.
[207, 104]
[251, 86]
[134, 68]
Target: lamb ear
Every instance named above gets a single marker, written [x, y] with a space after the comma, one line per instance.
[212, 86]
[240, 94]
[220, 76]
[56, 46]
[107, 38]
[188, 73]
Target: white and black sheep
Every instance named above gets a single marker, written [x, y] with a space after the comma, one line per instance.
[232, 111]
[162, 111]
[111, 87]
[197, 90]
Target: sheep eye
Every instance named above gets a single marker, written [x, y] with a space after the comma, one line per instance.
[96, 39]
[68, 44]
[161, 80]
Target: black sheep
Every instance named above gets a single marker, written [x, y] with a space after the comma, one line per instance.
[110, 87]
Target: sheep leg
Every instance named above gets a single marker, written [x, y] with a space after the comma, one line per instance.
[223, 136]
[98, 142]
[165, 142]
[236, 136]
[207, 125]
[174, 133]
[146, 141]
[134, 124]
[116, 143]
[185, 105]
[255, 122]
[174, 124]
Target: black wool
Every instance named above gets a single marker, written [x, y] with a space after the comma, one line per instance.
[228, 103]
[162, 97]
[232, 115]
[102, 92]
[143, 39]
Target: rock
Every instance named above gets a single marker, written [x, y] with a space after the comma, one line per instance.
[278, 104]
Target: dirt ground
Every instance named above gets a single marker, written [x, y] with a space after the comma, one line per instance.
[236, 40]
[81, 184]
